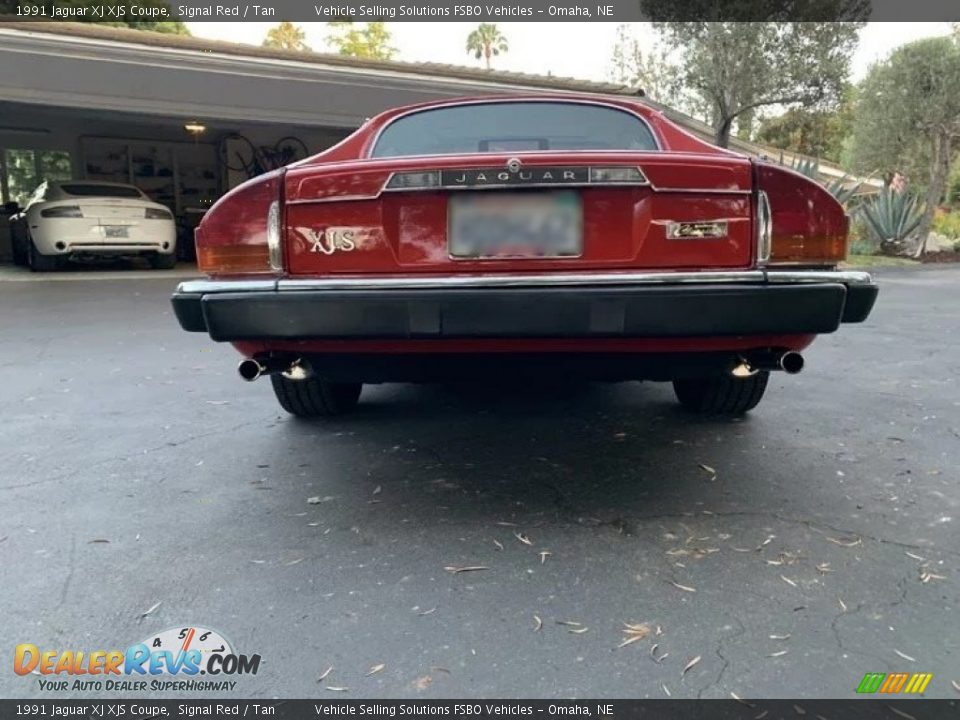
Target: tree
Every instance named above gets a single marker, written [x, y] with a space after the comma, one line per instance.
[485, 42]
[728, 70]
[908, 117]
[286, 36]
[370, 41]
[817, 133]
[648, 70]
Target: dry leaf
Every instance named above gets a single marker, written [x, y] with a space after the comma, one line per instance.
[683, 587]
[761, 716]
[904, 655]
[152, 608]
[578, 631]
[377, 490]
[915, 557]
[788, 581]
[926, 576]
[956, 685]
[422, 683]
[504, 523]
[375, 669]
[634, 632]
[294, 562]
[334, 688]
[766, 542]
[427, 612]
[707, 468]
[539, 623]
[571, 623]
[659, 631]
[666, 690]
[846, 543]
[523, 538]
[779, 653]
[689, 666]
[498, 544]
[799, 710]
[741, 700]
[824, 568]
[544, 555]
[469, 568]
[843, 605]
[901, 713]
[325, 673]
[780, 637]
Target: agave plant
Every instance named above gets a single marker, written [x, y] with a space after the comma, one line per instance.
[892, 216]
[841, 188]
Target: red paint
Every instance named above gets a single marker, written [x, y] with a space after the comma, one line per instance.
[624, 227]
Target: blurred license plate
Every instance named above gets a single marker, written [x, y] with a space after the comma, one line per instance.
[115, 231]
[515, 225]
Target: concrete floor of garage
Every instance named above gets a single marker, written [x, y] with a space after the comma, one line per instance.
[788, 551]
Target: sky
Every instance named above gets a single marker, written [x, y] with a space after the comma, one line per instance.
[565, 49]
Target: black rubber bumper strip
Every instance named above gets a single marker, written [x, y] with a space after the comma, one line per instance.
[556, 312]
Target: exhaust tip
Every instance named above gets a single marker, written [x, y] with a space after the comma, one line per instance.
[792, 362]
[249, 369]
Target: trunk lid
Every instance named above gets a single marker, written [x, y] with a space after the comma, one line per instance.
[686, 211]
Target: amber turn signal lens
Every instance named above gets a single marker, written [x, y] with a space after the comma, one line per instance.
[233, 259]
[802, 250]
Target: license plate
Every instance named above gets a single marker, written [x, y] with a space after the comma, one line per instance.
[515, 225]
[115, 231]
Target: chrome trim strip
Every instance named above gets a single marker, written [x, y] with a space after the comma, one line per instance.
[764, 229]
[845, 277]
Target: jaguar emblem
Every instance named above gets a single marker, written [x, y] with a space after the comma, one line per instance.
[514, 165]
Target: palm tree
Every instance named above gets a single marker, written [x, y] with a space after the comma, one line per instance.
[485, 42]
[286, 36]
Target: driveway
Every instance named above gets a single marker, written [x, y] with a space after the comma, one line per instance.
[145, 487]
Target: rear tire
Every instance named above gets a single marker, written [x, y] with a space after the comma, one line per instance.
[163, 262]
[39, 262]
[721, 395]
[315, 397]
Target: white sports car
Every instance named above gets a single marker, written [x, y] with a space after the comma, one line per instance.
[81, 219]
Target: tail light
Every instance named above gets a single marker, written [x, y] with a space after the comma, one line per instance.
[242, 233]
[63, 211]
[798, 221]
[157, 214]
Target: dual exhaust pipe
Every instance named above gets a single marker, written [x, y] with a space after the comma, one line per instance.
[251, 369]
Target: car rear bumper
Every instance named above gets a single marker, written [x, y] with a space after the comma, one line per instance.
[626, 305]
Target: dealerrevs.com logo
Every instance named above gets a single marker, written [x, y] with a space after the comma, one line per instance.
[186, 658]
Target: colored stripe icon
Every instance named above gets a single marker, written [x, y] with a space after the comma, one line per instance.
[913, 683]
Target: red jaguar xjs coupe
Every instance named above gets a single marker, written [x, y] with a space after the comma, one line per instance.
[523, 235]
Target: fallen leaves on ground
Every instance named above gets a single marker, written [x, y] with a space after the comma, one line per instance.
[151, 610]
[469, 568]
[904, 655]
[689, 666]
[523, 538]
[539, 623]
[685, 588]
[323, 675]
[375, 669]
[422, 683]
[634, 632]
[846, 542]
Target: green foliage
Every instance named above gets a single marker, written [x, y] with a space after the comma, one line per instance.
[370, 41]
[817, 133]
[486, 41]
[727, 70]
[286, 36]
[645, 68]
[892, 218]
[947, 224]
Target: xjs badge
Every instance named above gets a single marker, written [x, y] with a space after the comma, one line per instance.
[336, 238]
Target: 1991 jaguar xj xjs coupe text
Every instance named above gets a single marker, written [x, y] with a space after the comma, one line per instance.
[523, 235]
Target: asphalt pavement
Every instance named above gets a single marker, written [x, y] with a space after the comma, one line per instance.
[143, 487]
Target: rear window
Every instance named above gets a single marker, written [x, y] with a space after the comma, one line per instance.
[93, 190]
[514, 127]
